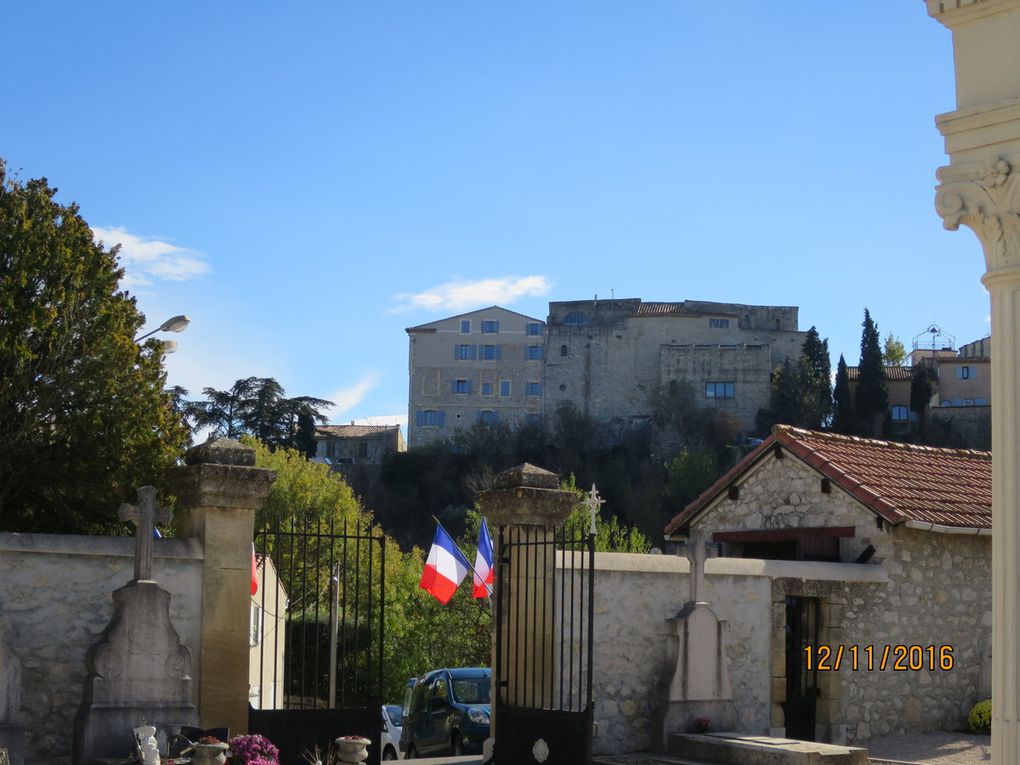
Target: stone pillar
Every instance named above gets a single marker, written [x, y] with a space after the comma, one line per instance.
[527, 504]
[218, 491]
[12, 731]
[979, 189]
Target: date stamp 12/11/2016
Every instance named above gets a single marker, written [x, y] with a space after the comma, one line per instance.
[868, 658]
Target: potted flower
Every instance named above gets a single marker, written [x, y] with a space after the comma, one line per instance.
[702, 725]
[352, 749]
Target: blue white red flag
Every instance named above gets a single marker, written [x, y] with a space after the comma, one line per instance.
[445, 568]
[483, 564]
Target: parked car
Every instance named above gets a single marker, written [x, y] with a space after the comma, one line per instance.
[448, 713]
[392, 724]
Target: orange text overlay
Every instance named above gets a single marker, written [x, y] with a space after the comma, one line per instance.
[899, 658]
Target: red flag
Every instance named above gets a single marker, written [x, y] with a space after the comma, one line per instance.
[254, 573]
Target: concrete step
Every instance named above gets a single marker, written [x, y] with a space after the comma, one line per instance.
[742, 749]
[647, 759]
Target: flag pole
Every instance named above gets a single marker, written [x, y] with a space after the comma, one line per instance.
[470, 564]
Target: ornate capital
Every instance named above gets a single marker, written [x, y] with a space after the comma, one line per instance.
[988, 203]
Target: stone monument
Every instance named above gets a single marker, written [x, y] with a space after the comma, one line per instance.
[139, 672]
[696, 663]
[12, 732]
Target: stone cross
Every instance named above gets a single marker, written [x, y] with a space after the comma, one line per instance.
[593, 502]
[145, 516]
[696, 554]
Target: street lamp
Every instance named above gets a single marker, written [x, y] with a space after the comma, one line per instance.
[174, 324]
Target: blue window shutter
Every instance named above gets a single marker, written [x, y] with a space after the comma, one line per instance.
[442, 418]
[468, 386]
[419, 418]
[499, 352]
[478, 415]
[453, 386]
[472, 353]
[456, 353]
[496, 323]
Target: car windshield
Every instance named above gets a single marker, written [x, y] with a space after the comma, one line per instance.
[394, 713]
[470, 690]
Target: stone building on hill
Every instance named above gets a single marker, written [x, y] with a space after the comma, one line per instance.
[920, 638]
[357, 444]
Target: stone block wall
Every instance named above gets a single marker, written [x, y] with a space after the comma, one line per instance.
[55, 601]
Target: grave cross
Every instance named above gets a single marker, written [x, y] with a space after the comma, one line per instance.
[696, 554]
[593, 502]
[145, 516]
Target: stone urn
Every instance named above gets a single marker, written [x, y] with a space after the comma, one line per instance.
[352, 749]
[209, 754]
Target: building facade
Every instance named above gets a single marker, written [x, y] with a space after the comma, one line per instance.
[357, 444]
[612, 358]
[482, 366]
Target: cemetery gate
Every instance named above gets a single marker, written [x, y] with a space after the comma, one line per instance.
[543, 705]
[317, 635]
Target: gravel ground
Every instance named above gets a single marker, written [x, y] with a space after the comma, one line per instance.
[932, 748]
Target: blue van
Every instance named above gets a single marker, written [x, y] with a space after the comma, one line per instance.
[448, 713]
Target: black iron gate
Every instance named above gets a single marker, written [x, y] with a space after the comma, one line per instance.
[317, 636]
[543, 704]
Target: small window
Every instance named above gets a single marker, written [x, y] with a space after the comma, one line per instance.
[719, 390]
[430, 417]
[504, 388]
[900, 414]
[719, 323]
[486, 389]
[490, 352]
[255, 628]
[465, 326]
[563, 350]
[461, 386]
[464, 352]
[490, 327]
[534, 353]
[575, 319]
[534, 329]
[533, 389]
[488, 416]
[965, 373]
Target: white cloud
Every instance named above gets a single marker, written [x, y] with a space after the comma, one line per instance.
[148, 260]
[348, 398]
[462, 296]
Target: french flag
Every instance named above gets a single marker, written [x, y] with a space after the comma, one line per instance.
[445, 568]
[483, 564]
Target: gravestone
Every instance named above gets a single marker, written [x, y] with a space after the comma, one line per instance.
[12, 732]
[696, 663]
[138, 672]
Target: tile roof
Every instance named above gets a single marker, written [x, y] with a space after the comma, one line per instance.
[352, 430]
[899, 482]
[676, 309]
[891, 373]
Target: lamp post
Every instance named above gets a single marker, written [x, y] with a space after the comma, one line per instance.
[173, 324]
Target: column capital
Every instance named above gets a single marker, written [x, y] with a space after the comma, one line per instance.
[985, 197]
[952, 13]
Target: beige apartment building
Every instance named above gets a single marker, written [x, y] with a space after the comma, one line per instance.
[482, 366]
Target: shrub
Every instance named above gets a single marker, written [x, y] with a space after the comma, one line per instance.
[980, 718]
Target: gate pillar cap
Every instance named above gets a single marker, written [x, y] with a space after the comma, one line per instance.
[221, 451]
[527, 495]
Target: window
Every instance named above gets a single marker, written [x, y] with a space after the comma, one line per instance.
[534, 329]
[718, 390]
[490, 327]
[363, 449]
[900, 414]
[255, 630]
[504, 387]
[564, 350]
[575, 319]
[533, 389]
[430, 418]
[464, 352]
[491, 352]
[461, 386]
[465, 326]
[534, 353]
[488, 416]
[486, 389]
[965, 373]
[719, 323]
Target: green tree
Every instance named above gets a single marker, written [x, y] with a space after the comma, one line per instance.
[610, 534]
[922, 387]
[84, 417]
[687, 475]
[843, 418]
[871, 399]
[894, 354]
[800, 393]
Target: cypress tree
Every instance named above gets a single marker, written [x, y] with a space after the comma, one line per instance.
[871, 398]
[843, 420]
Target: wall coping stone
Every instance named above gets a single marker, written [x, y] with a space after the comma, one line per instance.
[773, 569]
[96, 547]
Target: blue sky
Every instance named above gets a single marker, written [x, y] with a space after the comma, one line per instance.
[305, 180]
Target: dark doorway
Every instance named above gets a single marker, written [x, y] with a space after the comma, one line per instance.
[801, 683]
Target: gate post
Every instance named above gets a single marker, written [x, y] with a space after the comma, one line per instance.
[218, 490]
[527, 505]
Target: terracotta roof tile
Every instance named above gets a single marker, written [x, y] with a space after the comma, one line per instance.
[891, 373]
[899, 482]
[352, 431]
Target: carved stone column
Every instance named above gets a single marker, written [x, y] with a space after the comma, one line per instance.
[980, 189]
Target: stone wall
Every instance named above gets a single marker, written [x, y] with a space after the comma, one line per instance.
[55, 600]
[938, 593]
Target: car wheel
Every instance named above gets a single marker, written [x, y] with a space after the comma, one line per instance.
[456, 744]
[389, 754]
[411, 754]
